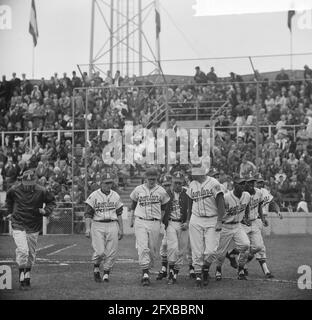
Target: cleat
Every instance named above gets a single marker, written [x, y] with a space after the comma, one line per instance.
[192, 274]
[241, 275]
[246, 271]
[232, 259]
[269, 275]
[105, 277]
[218, 275]
[198, 282]
[161, 275]
[172, 279]
[146, 282]
[97, 277]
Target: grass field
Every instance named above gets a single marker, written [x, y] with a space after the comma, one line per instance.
[64, 271]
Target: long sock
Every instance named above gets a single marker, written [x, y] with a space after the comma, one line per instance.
[96, 267]
[145, 272]
[264, 266]
[21, 274]
[27, 273]
[191, 267]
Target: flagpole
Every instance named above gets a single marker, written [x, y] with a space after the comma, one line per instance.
[33, 62]
[291, 54]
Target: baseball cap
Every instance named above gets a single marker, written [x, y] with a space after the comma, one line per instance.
[178, 177]
[166, 180]
[107, 177]
[251, 177]
[151, 172]
[238, 179]
[28, 178]
[213, 172]
[198, 171]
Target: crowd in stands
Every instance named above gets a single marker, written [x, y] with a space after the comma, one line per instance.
[41, 108]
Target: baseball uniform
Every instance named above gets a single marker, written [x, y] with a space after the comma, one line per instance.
[253, 231]
[232, 229]
[147, 221]
[203, 237]
[104, 228]
[24, 202]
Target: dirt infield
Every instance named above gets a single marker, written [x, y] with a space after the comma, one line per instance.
[64, 271]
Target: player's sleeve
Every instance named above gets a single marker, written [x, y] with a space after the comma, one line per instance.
[216, 189]
[9, 201]
[89, 213]
[134, 195]
[119, 206]
[90, 200]
[165, 198]
[189, 191]
[49, 200]
[267, 195]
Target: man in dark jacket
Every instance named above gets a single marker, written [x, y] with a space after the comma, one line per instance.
[176, 226]
[25, 203]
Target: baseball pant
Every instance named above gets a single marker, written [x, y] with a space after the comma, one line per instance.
[204, 241]
[104, 237]
[163, 246]
[237, 234]
[261, 255]
[189, 251]
[255, 237]
[147, 236]
[177, 240]
[26, 244]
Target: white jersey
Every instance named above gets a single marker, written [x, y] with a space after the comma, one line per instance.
[104, 206]
[255, 200]
[149, 201]
[267, 198]
[235, 208]
[204, 197]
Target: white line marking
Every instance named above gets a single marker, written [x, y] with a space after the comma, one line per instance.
[57, 251]
[45, 247]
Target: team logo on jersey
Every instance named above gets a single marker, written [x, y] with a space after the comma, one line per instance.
[233, 211]
[148, 200]
[199, 195]
[104, 206]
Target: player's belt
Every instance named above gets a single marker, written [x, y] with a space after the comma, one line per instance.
[208, 216]
[106, 220]
[153, 219]
[175, 220]
[233, 222]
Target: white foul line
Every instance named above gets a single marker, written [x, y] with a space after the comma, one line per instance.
[57, 251]
[45, 247]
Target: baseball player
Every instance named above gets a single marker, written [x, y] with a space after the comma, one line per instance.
[268, 204]
[104, 224]
[27, 202]
[176, 226]
[207, 209]
[166, 182]
[251, 224]
[148, 202]
[236, 207]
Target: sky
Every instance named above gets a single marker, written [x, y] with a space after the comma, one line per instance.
[64, 39]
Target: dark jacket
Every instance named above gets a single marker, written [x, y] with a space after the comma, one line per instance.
[183, 202]
[24, 207]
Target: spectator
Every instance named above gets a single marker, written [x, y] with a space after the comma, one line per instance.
[200, 76]
[211, 76]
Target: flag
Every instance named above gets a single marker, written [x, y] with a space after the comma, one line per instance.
[33, 27]
[291, 13]
[157, 20]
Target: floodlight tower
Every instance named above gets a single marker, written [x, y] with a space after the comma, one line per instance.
[118, 28]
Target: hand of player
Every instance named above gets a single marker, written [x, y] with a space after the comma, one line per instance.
[42, 211]
[184, 226]
[7, 218]
[88, 233]
[265, 222]
[120, 234]
[218, 226]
